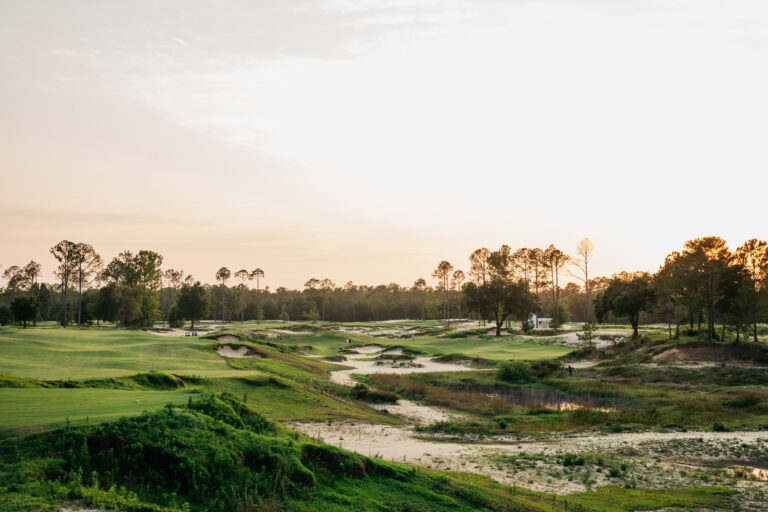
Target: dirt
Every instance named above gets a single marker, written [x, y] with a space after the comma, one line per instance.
[239, 353]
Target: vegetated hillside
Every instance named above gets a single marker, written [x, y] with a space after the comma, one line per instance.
[215, 454]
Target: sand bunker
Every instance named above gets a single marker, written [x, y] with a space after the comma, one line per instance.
[367, 349]
[239, 353]
[418, 365]
[228, 337]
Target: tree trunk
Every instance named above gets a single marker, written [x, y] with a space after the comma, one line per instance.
[79, 300]
[754, 332]
[677, 322]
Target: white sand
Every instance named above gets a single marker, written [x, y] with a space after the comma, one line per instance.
[240, 353]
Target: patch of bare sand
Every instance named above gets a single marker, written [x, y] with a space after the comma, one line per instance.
[419, 413]
[168, 332]
[367, 349]
[404, 444]
[418, 365]
[228, 337]
[239, 353]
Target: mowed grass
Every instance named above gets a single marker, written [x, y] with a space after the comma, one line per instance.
[56, 353]
[29, 408]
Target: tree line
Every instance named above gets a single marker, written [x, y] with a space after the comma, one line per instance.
[700, 286]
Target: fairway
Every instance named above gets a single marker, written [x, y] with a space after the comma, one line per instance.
[50, 407]
[56, 353]
[498, 349]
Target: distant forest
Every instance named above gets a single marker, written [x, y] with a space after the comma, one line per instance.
[703, 285]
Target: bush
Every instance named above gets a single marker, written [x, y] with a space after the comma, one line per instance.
[571, 459]
[514, 372]
[543, 369]
[363, 392]
[175, 318]
[719, 427]
[5, 314]
[743, 401]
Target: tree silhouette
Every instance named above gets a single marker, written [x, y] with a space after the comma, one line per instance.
[222, 276]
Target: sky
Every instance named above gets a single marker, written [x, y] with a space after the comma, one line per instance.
[367, 140]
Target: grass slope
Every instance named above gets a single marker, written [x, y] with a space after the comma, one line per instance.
[215, 454]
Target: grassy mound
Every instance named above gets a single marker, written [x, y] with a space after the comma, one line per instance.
[215, 455]
[158, 380]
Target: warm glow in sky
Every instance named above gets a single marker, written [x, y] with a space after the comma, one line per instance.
[366, 140]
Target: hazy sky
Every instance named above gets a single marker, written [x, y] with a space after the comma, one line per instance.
[367, 140]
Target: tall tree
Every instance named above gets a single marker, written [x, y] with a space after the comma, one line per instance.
[420, 287]
[65, 253]
[499, 300]
[243, 276]
[193, 302]
[456, 282]
[584, 251]
[443, 274]
[258, 274]
[556, 261]
[539, 269]
[87, 265]
[627, 295]
[172, 281]
[222, 276]
[523, 265]
[351, 291]
[501, 264]
[709, 259]
[326, 288]
[478, 265]
[753, 256]
[31, 273]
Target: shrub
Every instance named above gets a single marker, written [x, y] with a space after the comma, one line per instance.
[5, 314]
[514, 372]
[743, 401]
[175, 318]
[571, 459]
[363, 392]
[719, 427]
[543, 369]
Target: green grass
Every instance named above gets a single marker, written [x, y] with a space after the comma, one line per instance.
[34, 408]
[57, 353]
